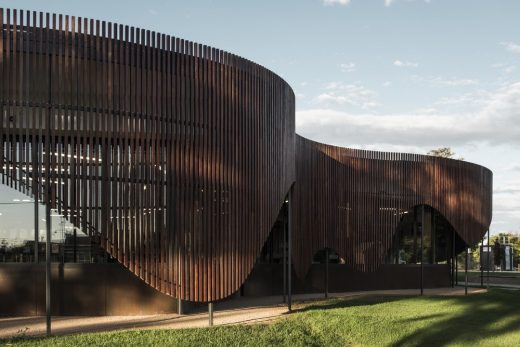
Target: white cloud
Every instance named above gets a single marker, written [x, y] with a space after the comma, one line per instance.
[446, 82]
[510, 167]
[387, 3]
[469, 102]
[494, 122]
[505, 68]
[508, 188]
[336, 2]
[391, 2]
[386, 84]
[509, 69]
[506, 205]
[511, 46]
[347, 67]
[338, 93]
[455, 82]
[406, 63]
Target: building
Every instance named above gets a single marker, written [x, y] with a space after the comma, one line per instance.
[181, 163]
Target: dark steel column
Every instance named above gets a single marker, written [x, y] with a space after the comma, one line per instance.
[210, 313]
[422, 250]
[456, 270]
[48, 201]
[455, 273]
[433, 238]
[326, 273]
[284, 262]
[289, 247]
[466, 272]
[36, 216]
[488, 257]
[48, 265]
[75, 236]
[179, 300]
[179, 307]
[482, 267]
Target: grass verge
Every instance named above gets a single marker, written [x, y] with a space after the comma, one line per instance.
[491, 319]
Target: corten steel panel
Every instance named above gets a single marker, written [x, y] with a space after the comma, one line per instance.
[78, 289]
[351, 200]
[174, 156]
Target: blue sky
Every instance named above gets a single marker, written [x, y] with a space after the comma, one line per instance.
[401, 75]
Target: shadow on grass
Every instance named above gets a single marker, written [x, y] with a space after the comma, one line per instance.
[482, 316]
[363, 300]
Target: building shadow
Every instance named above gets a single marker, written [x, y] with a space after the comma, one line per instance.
[481, 317]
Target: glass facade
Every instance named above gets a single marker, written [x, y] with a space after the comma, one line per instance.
[414, 242]
[18, 237]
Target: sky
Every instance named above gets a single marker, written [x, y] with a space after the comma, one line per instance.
[393, 75]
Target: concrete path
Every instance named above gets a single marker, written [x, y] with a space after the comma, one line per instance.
[234, 311]
[493, 285]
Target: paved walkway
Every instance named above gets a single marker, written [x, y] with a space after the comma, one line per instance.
[493, 285]
[235, 311]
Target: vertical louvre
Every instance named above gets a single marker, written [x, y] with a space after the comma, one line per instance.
[154, 147]
[176, 157]
[349, 200]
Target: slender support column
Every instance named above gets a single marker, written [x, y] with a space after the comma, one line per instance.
[36, 219]
[179, 288]
[466, 272]
[481, 265]
[455, 273]
[210, 313]
[48, 266]
[433, 238]
[422, 250]
[75, 250]
[289, 255]
[456, 270]
[284, 262]
[488, 256]
[326, 273]
[48, 201]
[179, 307]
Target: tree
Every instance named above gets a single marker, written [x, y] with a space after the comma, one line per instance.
[443, 152]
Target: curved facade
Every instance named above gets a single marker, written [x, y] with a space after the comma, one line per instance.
[352, 200]
[177, 157]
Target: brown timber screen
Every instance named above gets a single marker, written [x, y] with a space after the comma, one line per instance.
[177, 157]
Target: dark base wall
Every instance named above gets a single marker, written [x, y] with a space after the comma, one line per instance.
[267, 279]
[110, 289]
[78, 289]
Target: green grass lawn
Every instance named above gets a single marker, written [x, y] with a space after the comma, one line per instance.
[496, 278]
[491, 319]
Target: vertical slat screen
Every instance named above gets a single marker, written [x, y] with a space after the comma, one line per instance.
[351, 200]
[151, 145]
[176, 157]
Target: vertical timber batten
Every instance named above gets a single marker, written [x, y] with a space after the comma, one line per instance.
[176, 158]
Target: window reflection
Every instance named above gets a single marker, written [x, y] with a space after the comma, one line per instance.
[18, 239]
[321, 257]
[437, 234]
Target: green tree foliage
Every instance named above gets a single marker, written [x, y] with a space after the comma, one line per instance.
[443, 152]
